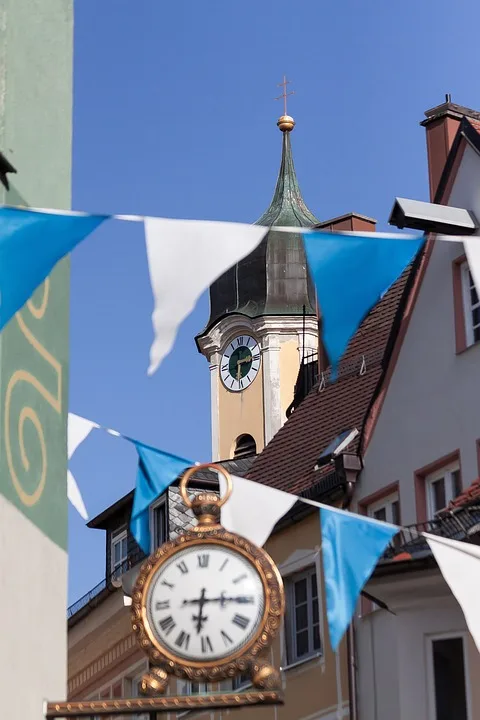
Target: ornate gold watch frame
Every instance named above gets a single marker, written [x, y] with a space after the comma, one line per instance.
[232, 664]
[265, 678]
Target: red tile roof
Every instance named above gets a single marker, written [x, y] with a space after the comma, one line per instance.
[288, 461]
[471, 494]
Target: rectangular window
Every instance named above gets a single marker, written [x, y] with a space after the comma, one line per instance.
[471, 306]
[448, 672]
[303, 617]
[158, 523]
[119, 551]
[241, 681]
[185, 687]
[442, 486]
[135, 692]
[386, 509]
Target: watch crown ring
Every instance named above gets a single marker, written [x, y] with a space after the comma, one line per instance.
[205, 466]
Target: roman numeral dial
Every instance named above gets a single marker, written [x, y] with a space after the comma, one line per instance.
[205, 603]
[240, 363]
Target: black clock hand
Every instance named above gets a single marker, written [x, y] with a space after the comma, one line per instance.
[239, 599]
[200, 619]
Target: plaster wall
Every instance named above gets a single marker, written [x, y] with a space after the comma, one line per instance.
[240, 413]
[432, 405]
[289, 365]
[259, 410]
[394, 650]
[36, 43]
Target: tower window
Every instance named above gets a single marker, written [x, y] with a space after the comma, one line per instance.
[245, 446]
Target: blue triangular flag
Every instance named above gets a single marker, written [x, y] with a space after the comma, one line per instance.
[351, 547]
[31, 244]
[156, 471]
[351, 274]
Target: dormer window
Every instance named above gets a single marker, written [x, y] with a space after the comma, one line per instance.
[158, 523]
[119, 551]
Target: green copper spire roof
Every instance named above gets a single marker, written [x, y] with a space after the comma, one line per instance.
[274, 278]
[288, 206]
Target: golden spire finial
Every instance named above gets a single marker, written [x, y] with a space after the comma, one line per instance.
[285, 123]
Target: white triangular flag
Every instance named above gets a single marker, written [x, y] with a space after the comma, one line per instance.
[459, 563]
[253, 509]
[78, 429]
[184, 259]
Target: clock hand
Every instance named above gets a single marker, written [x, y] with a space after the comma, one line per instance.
[199, 619]
[239, 599]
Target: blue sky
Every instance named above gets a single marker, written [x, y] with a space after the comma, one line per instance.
[174, 116]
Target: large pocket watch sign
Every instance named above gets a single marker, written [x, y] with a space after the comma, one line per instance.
[208, 604]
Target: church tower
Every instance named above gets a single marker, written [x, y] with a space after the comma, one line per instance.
[262, 312]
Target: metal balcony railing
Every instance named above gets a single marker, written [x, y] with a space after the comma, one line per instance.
[107, 582]
[459, 525]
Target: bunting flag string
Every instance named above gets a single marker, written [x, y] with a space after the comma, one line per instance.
[186, 256]
[255, 509]
[79, 429]
[459, 563]
[351, 274]
[156, 471]
[351, 544]
[31, 244]
[184, 259]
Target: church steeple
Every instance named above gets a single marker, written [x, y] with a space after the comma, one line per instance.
[288, 208]
[262, 322]
[274, 279]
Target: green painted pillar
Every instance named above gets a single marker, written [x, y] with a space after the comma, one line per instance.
[36, 44]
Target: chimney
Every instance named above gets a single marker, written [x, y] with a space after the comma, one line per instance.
[442, 123]
[351, 222]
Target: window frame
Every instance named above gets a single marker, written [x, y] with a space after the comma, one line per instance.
[446, 472]
[432, 703]
[118, 536]
[467, 284]
[292, 656]
[161, 502]
[240, 682]
[385, 502]
[184, 687]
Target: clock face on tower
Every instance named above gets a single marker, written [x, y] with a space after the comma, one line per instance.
[205, 603]
[240, 363]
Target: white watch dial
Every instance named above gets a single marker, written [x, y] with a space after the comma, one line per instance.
[240, 363]
[205, 603]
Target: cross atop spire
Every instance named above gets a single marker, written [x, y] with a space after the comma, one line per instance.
[284, 95]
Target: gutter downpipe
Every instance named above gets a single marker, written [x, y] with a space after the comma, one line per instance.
[351, 648]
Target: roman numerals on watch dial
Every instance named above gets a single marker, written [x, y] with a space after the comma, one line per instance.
[226, 638]
[162, 605]
[203, 560]
[183, 640]
[241, 621]
[206, 644]
[205, 603]
[167, 624]
[182, 567]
